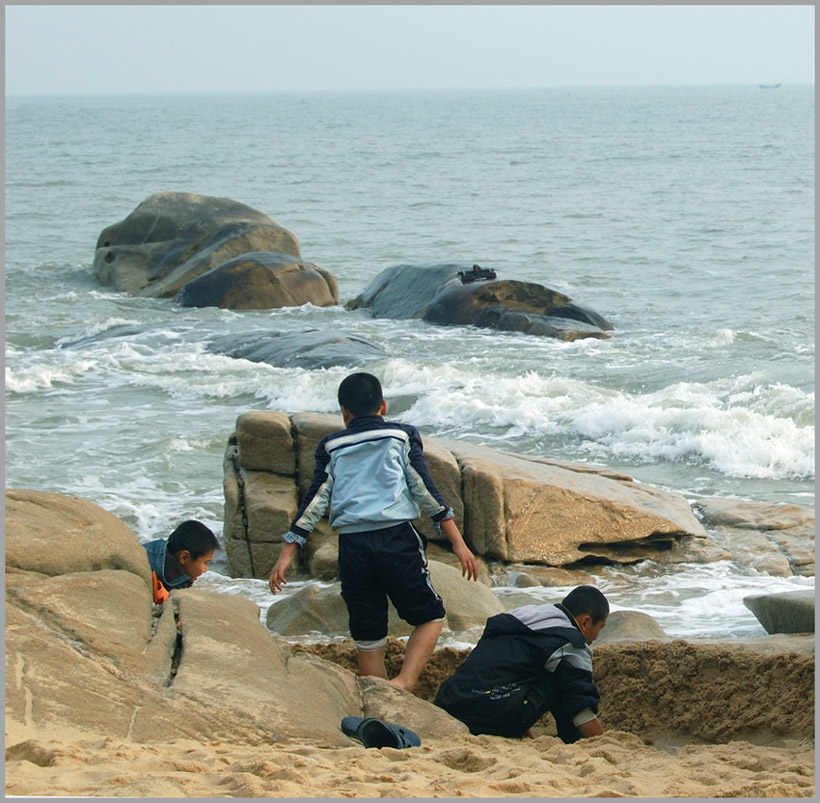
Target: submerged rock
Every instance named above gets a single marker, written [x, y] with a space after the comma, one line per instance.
[436, 293]
[320, 611]
[629, 626]
[309, 348]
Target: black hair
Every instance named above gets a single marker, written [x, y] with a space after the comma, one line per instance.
[361, 394]
[587, 599]
[193, 536]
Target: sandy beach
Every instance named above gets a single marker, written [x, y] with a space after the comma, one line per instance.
[617, 764]
[662, 762]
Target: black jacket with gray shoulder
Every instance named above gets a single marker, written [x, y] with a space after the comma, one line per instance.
[528, 661]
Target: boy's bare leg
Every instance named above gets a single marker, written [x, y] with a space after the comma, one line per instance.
[371, 662]
[420, 647]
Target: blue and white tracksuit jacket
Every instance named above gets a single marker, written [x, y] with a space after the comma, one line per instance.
[370, 476]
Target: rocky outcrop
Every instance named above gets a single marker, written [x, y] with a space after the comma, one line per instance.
[629, 626]
[309, 348]
[788, 612]
[316, 610]
[262, 280]
[173, 238]
[52, 534]
[436, 293]
[86, 656]
[93, 668]
[509, 508]
[775, 539]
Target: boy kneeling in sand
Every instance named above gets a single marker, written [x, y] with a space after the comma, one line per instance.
[177, 562]
[528, 661]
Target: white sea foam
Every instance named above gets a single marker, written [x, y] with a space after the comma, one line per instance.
[699, 423]
[38, 376]
[742, 430]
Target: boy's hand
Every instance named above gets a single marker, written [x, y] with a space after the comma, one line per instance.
[277, 573]
[469, 565]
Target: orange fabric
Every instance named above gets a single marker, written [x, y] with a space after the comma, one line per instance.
[160, 592]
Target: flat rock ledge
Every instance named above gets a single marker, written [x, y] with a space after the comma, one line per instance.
[775, 539]
[528, 511]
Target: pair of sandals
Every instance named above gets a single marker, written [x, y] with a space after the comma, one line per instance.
[372, 732]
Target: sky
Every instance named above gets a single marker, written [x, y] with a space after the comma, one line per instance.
[69, 49]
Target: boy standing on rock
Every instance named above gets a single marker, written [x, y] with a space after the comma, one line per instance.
[373, 477]
[528, 661]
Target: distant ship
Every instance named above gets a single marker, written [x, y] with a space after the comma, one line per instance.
[769, 86]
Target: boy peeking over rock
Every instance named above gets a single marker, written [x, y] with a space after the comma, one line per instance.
[179, 560]
[528, 661]
[374, 480]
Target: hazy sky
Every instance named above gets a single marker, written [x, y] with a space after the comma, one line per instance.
[133, 48]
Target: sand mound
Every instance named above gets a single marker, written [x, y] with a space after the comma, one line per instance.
[670, 692]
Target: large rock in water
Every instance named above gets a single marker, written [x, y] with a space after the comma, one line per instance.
[787, 612]
[508, 507]
[261, 280]
[172, 238]
[436, 293]
[85, 657]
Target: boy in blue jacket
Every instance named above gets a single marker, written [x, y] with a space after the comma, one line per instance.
[373, 478]
[528, 661]
[177, 562]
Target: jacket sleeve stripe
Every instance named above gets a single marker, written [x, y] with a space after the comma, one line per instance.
[579, 658]
[316, 507]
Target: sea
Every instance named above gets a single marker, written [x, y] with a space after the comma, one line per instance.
[684, 215]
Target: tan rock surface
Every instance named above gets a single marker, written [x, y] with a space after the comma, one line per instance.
[55, 534]
[508, 507]
[86, 655]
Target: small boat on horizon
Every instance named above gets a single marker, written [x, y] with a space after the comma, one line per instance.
[769, 86]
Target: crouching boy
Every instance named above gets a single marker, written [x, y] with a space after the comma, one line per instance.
[177, 562]
[528, 661]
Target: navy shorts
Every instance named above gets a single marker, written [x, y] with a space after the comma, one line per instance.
[386, 563]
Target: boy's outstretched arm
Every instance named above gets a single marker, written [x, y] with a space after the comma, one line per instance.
[277, 573]
[469, 566]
